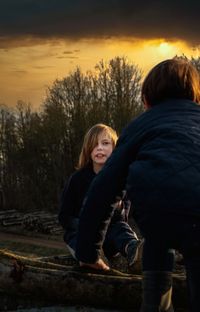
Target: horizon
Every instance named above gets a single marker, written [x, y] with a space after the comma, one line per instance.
[40, 43]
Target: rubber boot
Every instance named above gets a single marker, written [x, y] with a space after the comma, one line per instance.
[157, 292]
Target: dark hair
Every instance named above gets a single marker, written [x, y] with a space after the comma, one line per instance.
[173, 78]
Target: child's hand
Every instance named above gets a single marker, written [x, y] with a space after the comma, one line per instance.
[99, 265]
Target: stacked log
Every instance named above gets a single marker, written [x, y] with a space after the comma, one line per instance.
[42, 222]
[5, 212]
[10, 217]
[37, 221]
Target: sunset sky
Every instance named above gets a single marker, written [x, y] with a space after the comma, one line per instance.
[42, 40]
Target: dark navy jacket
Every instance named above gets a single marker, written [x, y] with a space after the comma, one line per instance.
[72, 199]
[73, 194]
[157, 159]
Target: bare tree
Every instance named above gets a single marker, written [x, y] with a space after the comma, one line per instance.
[38, 150]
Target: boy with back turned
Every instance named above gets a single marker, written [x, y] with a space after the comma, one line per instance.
[157, 160]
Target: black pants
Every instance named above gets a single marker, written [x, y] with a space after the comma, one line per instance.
[163, 234]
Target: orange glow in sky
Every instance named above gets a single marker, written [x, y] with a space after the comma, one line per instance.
[27, 71]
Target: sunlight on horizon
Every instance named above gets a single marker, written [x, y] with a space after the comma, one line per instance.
[27, 71]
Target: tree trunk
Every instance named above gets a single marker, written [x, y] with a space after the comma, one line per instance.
[65, 284]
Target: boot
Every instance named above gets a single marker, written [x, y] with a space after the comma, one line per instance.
[157, 291]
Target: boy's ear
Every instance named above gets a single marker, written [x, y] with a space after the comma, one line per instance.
[146, 104]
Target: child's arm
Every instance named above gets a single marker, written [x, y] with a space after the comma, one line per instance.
[67, 203]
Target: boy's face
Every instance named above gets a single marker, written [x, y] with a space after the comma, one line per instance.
[103, 149]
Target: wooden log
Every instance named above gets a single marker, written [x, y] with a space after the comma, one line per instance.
[38, 221]
[6, 212]
[57, 230]
[12, 222]
[63, 284]
[66, 260]
[43, 222]
[5, 256]
[11, 217]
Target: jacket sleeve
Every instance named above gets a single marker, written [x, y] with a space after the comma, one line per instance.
[97, 209]
[67, 203]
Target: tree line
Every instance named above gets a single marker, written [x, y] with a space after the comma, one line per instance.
[39, 150]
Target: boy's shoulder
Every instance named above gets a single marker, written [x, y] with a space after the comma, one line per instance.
[158, 114]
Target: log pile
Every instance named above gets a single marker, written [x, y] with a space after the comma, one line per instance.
[42, 222]
[67, 284]
[37, 221]
[10, 217]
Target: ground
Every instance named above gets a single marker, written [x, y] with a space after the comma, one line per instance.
[39, 241]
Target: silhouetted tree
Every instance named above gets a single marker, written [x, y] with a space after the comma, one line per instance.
[40, 149]
[119, 87]
[8, 155]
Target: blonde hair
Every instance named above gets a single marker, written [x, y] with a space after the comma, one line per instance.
[90, 141]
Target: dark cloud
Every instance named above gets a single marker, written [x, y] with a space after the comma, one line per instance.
[50, 19]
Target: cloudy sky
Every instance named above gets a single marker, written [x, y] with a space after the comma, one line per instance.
[42, 40]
